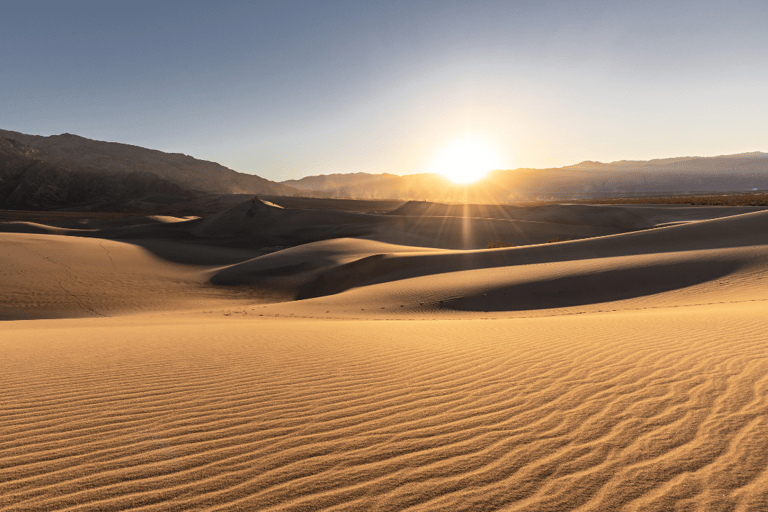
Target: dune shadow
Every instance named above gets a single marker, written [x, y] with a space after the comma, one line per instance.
[594, 288]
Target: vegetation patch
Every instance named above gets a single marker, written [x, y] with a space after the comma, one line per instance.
[498, 244]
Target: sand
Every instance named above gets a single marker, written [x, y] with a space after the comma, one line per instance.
[184, 364]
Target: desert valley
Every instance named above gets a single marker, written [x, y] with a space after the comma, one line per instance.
[219, 350]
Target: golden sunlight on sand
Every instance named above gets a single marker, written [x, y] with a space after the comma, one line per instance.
[389, 363]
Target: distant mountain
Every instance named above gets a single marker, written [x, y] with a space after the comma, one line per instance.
[31, 183]
[61, 170]
[727, 173]
[73, 151]
[740, 163]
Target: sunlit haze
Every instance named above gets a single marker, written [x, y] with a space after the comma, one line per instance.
[286, 89]
[466, 160]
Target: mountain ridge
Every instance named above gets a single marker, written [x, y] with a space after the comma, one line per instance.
[87, 154]
[741, 172]
[28, 181]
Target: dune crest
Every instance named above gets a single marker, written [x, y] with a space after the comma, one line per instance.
[276, 358]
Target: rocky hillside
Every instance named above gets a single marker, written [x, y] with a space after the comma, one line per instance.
[72, 151]
[29, 182]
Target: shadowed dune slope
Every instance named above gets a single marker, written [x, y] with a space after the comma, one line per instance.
[261, 220]
[653, 261]
[558, 288]
[260, 224]
[257, 223]
[264, 220]
[659, 215]
[476, 233]
[52, 276]
[625, 372]
[168, 265]
[576, 214]
[291, 269]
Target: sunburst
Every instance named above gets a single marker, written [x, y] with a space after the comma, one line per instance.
[466, 160]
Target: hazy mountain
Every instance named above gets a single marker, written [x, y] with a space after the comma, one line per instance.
[374, 186]
[56, 171]
[73, 151]
[741, 162]
[728, 173]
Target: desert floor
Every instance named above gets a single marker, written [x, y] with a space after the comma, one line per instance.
[269, 358]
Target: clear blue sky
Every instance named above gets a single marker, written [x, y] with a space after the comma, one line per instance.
[287, 89]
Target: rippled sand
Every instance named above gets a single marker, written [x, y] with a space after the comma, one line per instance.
[624, 372]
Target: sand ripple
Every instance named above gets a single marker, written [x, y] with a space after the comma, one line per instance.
[630, 411]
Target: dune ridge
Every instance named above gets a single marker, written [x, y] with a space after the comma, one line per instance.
[644, 248]
[187, 364]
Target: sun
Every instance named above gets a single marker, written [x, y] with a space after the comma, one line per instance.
[466, 160]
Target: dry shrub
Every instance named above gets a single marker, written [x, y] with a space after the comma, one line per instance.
[498, 244]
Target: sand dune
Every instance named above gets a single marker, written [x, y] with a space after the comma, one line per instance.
[53, 276]
[576, 214]
[258, 223]
[585, 271]
[639, 411]
[171, 364]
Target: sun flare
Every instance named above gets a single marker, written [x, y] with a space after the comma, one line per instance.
[466, 161]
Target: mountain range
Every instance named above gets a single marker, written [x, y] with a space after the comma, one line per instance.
[78, 152]
[31, 183]
[586, 180]
[69, 171]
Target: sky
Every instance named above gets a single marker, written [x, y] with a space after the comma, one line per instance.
[288, 89]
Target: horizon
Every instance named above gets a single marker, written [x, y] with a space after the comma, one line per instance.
[733, 155]
[285, 90]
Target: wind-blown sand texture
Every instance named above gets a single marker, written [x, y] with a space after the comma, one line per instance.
[275, 359]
